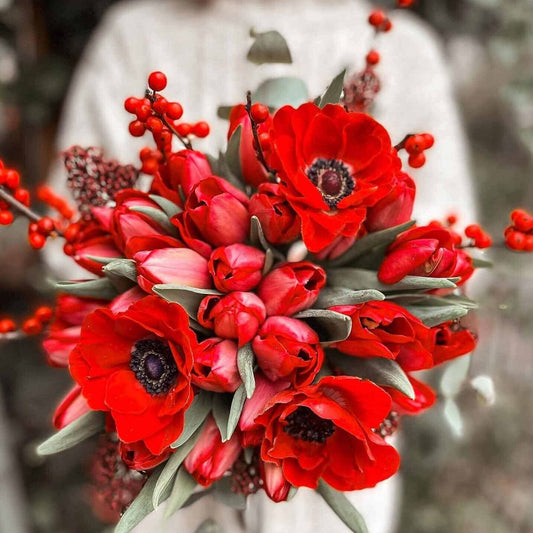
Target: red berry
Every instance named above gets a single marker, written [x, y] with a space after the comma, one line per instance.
[165, 137]
[154, 124]
[417, 160]
[372, 58]
[515, 240]
[201, 129]
[429, 140]
[12, 179]
[36, 240]
[46, 225]
[184, 129]
[145, 153]
[259, 112]
[386, 26]
[157, 81]
[33, 228]
[473, 231]
[150, 166]
[174, 110]
[377, 18]
[483, 241]
[264, 141]
[68, 249]
[451, 220]
[131, 104]
[2, 177]
[32, 326]
[7, 325]
[518, 213]
[23, 196]
[415, 144]
[405, 3]
[71, 232]
[524, 222]
[137, 128]
[66, 212]
[44, 314]
[528, 243]
[160, 105]
[6, 218]
[144, 112]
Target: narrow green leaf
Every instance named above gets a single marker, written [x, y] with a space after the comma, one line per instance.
[184, 486]
[435, 315]
[225, 495]
[102, 260]
[188, 297]
[237, 405]
[157, 215]
[172, 466]
[257, 238]
[125, 268]
[330, 325]
[142, 505]
[333, 93]
[381, 371]
[268, 47]
[195, 416]
[245, 364]
[342, 507]
[101, 288]
[221, 409]
[224, 112]
[277, 92]
[479, 262]
[232, 156]
[169, 207]
[430, 300]
[338, 296]
[209, 526]
[214, 162]
[84, 427]
[367, 243]
[269, 261]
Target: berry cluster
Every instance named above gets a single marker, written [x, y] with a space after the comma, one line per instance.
[415, 145]
[379, 20]
[56, 202]
[10, 182]
[405, 3]
[31, 326]
[479, 236]
[519, 235]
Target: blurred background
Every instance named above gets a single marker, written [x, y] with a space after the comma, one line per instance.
[480, 483]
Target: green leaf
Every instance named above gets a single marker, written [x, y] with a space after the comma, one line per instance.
[359, 278]
[195, 416]
[184, 486]
[342, 507]
[454, 377]
[223, 112]
[142, 505]
[169, 207]
[221, 409]
[101, 288]
[479, 262]
[232, 156]
[381, 371]
[435, 315]
[124, 268]
[337, 296]
[257, 238]
[377, 239]
[333, 93]
[84, 427]
[268, 47]
[245, 364]
[430, 300]
[237, 405]
[209, 526]
[277, 92]
[102, 260]
[156, 215]
[172, 466]
[225, 495]
[188, 297]
[330, 325]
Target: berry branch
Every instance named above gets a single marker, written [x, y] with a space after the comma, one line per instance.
[20, 207]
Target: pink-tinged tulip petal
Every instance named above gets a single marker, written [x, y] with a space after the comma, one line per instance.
[186, 169]
[103, 215]
[211, 458]
[424, 398]
[59, 344]
[180, 266]
[122, 302]
[274, 482]
[72, 407]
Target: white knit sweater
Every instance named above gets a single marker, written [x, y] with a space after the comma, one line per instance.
[202, 48]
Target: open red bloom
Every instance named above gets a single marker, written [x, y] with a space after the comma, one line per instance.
[138, 457]
[384, 329]
[451, 341]
[136, 365]
[334, 164]
[325, 431]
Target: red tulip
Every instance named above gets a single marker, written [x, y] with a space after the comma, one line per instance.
[71, 408]
[236, 267]
[186, 169]
[291, 287]
[424, 398]
[274, 482]
[138, 457]
[123, 301]
[451, 341]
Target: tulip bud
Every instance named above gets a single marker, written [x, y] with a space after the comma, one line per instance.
[122, 302]
[237, 315]
[215, 366]
[71, 408]
[236, 267]
[211, 458]
[138, 457]
[186, 169]
[274, 482]
[180, 266]
[288, 349]
[279, 221]
[292, 287]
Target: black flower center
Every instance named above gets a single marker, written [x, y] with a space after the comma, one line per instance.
[153, 365]
[304, 424]
[332, 178]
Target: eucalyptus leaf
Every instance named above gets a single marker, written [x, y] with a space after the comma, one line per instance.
[277, 92]
[454, 377]
[214, 162]
[268, 47]
[257, 238]
[125, 268]
[453, 416]
[370, 241]
[225, 495]
[430, 300]
[245, 365]
[184, 486]
[195, 416]
[221, 409]
[142, 505]
[479, 262]
[330, 325]
[337, 296]
[188, 297]
[102, 260]
[223, 112]
[172, 466]
[156, 215]
[380, 370]
[100, 288]
[169, 207]
[342, 507]
[209, 526]
[84, 427]
[333, 93]
[237, 405]
[232, 156]
[435, 315]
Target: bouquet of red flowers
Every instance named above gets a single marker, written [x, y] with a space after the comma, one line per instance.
[254, 320]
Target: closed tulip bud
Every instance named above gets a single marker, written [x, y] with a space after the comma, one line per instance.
[71, 408]
[237, 315]
[186, 169]
[180, 266]
[215, 365]
[291, 287]
[236, 267]
[274, 482]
